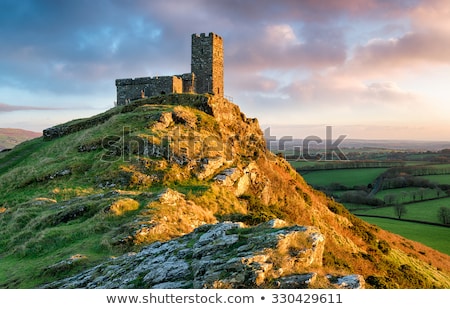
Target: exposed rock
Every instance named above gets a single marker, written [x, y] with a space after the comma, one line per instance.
[164, 121]
[228, 176]
[351, 282]
[223, 255]
[182, 115]
[209, 166]
[302, 281]
[88, 147]
[60, 173]
[67, 264]
[184, 217]
[171, 197]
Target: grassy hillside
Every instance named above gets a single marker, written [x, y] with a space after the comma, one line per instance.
[423, 233]
[159, 168]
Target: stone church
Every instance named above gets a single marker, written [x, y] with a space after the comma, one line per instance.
[206, 74]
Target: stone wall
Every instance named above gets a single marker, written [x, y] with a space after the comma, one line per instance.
[130, 89]
[188, 82]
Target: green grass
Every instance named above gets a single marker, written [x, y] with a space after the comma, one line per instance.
[301, 164]
[19, 154]
[435, 237]
[346, 177]
[422, 211]
[438, 179]
[75, 217]
[34, 237]
[411, 194]
[413, 163]
[439, 166]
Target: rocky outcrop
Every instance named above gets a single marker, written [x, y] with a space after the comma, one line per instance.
[223, 255]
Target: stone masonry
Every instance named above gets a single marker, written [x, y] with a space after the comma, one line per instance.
[206, 74]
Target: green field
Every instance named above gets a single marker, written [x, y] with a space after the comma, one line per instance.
[422, 204]
[347, 177]
[440, 179]
[411, 194]
[422, 211]
[440, 166]
[436, 237]
[303, 164]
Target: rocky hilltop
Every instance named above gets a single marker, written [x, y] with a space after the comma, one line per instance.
[180, 191]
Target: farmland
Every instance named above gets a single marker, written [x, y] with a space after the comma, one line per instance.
[436, 237]
[403, 192]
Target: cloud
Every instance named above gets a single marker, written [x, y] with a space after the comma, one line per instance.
[75, 43]
[296, 55]
[307, 10]
[11, 108]
[65, 47]
[346, 94]
[426, 44]
[68, 47]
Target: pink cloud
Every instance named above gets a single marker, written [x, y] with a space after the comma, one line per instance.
[11, 108]
[341, 91]
[279, 46]
[426, 43]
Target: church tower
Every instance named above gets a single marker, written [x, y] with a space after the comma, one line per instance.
[207, 63]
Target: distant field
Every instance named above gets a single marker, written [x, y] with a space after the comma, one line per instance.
[440, 179]
[423, 211]
[346, 177]
[411, 194]
[300, 164]
[422, 204]
[440, 166]
[12, 137]
[433, 236]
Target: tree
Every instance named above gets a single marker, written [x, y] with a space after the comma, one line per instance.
[390, 199]
[421, 193]
[444, 215]
[400, 210]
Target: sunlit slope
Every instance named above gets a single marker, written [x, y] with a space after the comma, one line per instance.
[156, 170]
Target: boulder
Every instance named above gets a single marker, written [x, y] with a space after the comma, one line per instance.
[222, 255]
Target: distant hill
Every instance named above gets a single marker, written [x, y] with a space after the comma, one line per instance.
[182, 191]
[12, 137]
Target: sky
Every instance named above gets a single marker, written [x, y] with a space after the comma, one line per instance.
[370, 69]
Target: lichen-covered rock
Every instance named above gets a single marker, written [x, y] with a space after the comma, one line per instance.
[223, 255]
[351, 282]
[301, 281]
